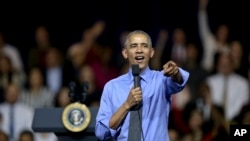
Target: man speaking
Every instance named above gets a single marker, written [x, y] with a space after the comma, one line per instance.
[136, 105]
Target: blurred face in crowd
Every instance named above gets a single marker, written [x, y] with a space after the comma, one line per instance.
[5, 64]
[63, 98]
[246, 118]
[138, 49]
[192, 52]
[53, 58]
[106, 55]
[87, 74]
[205, 93]
[36, 79]
[42, 36]
[26, 136]
[222, 33]
[12, 93]
[195, 121]
[179, 36]
[224, 65]
[173, 135]
[3, 136]
[76, 56]
[236, 50]
[187, 137]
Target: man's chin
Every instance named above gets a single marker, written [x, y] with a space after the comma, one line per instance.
[142, 66]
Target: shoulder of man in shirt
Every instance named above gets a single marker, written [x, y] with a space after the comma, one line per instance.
[118, 78]
[19, 104]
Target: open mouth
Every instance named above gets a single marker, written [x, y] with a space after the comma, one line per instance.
[139, 59]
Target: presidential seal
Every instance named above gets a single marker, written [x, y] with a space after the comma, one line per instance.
[76, 117]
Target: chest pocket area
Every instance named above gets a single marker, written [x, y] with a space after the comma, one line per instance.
[153, 100]
[148, 94]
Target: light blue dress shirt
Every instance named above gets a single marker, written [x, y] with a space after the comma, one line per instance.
[156, 91]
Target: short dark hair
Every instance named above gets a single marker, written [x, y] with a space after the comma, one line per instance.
[27, 132]
[5, 135]
[137, 32]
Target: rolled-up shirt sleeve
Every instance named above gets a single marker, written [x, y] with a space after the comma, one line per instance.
[102, 129]
[174, 87]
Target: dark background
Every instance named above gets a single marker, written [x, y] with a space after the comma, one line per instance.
[66, 20]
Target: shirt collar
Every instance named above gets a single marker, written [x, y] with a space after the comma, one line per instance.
[145, 74]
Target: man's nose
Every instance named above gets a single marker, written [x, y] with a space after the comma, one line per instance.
[139, 49]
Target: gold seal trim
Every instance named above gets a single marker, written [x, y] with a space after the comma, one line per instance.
[76, 117]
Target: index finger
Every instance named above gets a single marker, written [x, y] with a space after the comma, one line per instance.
[168, 69]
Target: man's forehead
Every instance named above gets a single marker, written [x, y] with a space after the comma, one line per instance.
[138, 38]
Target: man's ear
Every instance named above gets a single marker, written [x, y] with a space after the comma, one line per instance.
[125, 53]
[152, 53]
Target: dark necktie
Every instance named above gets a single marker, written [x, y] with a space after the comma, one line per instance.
[11, 123]
[225, 87]
[135, 128]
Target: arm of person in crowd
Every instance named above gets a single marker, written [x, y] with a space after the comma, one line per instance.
[207, 38]
[176, 78]
[203, 24]
[16, 59]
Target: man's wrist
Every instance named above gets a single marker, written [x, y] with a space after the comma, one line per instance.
[126, 106]
[177, 78]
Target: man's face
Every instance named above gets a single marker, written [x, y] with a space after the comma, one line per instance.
[222, 33]
[224, 65]
[138, 50]
[12, 94]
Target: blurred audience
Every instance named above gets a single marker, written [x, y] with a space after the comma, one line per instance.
[37, 94]
[86, 50]
[36, 55]
[87, 75]
[9, 75]
[12, 123]
[54, 72]
[226, 86]
[175, 48]
[104, 67]
[197, 72]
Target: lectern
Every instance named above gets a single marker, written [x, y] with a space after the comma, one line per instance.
[51, 120]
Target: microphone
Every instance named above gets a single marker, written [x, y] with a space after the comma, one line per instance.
[72, 91]
[136, 72]
[85, 87]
